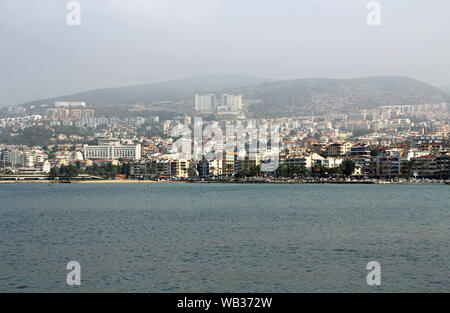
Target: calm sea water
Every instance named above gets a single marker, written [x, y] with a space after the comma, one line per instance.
[224, 237]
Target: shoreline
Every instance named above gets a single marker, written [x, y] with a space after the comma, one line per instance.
[106, 181]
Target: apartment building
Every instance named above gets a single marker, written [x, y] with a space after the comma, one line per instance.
[431, 166]
[307, 161]
[205, 103]
[360, 153]
[246, 163]
[203, 168]
[339, 149]
[179, 168]
[216, 167]
[387, 163]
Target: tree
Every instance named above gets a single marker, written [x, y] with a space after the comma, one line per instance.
[125, 169]
[406, 168]
[281, 171]
[192, 172]
[68, 171]
[54, 172]
[151, 169]
[254, 170]
[229, 168]
[320, 170]
[348, 167]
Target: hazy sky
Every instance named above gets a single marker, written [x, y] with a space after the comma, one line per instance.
[126, 42]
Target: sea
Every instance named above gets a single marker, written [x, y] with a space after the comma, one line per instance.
[194, 237]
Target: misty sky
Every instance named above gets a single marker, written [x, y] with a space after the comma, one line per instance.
[127, 42]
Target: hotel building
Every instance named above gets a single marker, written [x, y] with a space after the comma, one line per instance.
[111, 149]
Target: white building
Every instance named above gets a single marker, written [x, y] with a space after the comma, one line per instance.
[73, 104]
[205, 103]
[331, 162]
[216, 167]
[232, 102]
[43, 166]
[76, 156]
[307, 161]
[112, 152]
[13, 157]
[27, 159]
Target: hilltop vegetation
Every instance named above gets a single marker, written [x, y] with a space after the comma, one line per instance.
[30, 136]
[166, 91]
[320, 95]
[267, 97]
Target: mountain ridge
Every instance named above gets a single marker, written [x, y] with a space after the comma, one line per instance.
[323, 95]
[446, 89]
[159, 91]
[270, 97]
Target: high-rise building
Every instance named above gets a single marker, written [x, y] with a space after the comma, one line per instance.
[205, 103]
[67, 104]
[88, 113]
[233, 102]
[63, 113]
[76, 114]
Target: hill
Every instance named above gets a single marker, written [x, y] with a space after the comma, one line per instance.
[321, 95]
[164, 91]
[267, 97]
[446, 90]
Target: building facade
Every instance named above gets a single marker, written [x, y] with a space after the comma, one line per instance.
[112, 152]
[205, 103]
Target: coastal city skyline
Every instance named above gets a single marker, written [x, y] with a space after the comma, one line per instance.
[398, 143]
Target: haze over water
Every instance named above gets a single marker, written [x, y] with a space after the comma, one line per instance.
[172, 237]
